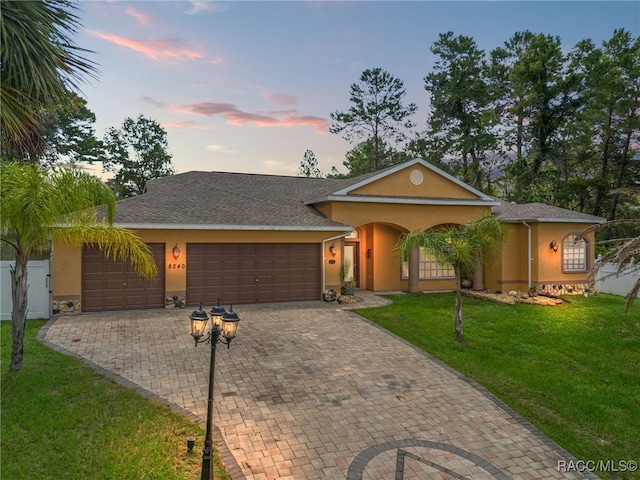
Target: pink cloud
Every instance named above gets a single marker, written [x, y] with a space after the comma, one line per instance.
[185, 124]
[208, 109]
[320, 125]
[142, 17]
[234, 116]
[240, 118]
[205, 6]
[278, 98]
[156, 49]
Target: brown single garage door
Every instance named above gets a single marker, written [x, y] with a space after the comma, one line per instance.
[109, 284]
[252, 273]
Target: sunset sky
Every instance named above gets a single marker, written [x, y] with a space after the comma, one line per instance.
[249, 86]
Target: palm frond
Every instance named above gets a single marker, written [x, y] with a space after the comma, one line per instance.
[116, 243]
[631, 296]
[39, 63]
[34, 201]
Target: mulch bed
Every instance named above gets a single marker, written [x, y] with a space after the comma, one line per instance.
[517, 298]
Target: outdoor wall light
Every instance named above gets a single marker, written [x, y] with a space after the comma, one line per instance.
[333, 249]
[223, 329]
[176, 252]
[553, 246]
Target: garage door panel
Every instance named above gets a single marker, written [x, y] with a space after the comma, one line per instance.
[113, 304]
[92, 304]
[222, 248]
[237, 266]
[213, 265]
[113, 284]
[245, 296]
[114, 268]
[135, 301]
[95, 284]
[230, 264]
[264, 264]
[263, 248]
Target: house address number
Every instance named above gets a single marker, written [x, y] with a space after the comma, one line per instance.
[177, 265]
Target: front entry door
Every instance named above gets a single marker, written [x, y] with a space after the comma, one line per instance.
[351, 255]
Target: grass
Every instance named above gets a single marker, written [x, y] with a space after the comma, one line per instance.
[61, 419]
[571, 370]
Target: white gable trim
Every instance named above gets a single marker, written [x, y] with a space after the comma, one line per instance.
[404, 200]
[410, 163]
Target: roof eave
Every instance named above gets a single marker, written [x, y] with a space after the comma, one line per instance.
[403, 201]
[552, 220]
[201, 226]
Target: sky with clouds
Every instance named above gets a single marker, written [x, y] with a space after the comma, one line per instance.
[249, 86]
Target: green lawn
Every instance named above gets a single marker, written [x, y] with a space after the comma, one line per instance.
[60, 419]
[571, 370]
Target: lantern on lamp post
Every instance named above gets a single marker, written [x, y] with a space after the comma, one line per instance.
[223, 329]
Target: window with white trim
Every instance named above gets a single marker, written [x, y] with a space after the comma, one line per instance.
[574, 253]
[430, 268]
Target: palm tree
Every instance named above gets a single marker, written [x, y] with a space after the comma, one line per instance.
[38, 64]
[40, 206]
[461, 246]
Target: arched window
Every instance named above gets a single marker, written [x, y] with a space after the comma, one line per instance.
[574, 253]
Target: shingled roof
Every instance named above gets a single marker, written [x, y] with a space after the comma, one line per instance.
[204, 200]
[541, 212]
[225, 201]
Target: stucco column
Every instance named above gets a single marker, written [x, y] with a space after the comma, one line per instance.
[414, 270]
[478, 277]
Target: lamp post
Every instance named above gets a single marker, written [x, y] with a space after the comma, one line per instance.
[223, 329]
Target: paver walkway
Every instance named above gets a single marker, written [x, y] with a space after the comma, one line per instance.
[312, 391]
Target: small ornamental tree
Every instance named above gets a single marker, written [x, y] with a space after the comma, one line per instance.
[461, 246]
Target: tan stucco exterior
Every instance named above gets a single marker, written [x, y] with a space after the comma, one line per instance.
[512, 271]
[433, 185]
[67, 261]
[380, 210]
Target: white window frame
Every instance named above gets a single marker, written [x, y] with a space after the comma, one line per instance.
[575, 250]
[430, 268]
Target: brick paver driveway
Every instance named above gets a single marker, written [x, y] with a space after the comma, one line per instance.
[312, 391]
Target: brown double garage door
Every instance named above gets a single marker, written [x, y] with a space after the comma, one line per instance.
[235, 273]
[252, 273]
[109, 284]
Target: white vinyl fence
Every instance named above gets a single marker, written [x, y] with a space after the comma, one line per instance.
[617, 285]
[39, 296]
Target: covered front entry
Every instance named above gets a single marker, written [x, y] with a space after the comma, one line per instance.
[252, 272]
[109, 284]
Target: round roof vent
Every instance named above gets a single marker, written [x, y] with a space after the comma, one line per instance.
[416, 177]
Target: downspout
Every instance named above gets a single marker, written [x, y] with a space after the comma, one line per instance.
[324, 263]
[529, 259]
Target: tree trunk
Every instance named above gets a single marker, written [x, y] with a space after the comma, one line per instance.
[19, 291]
[459, 335]
[376, 148]
[521, 192]
[476, 171]
[620, 177]
[601, 187]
